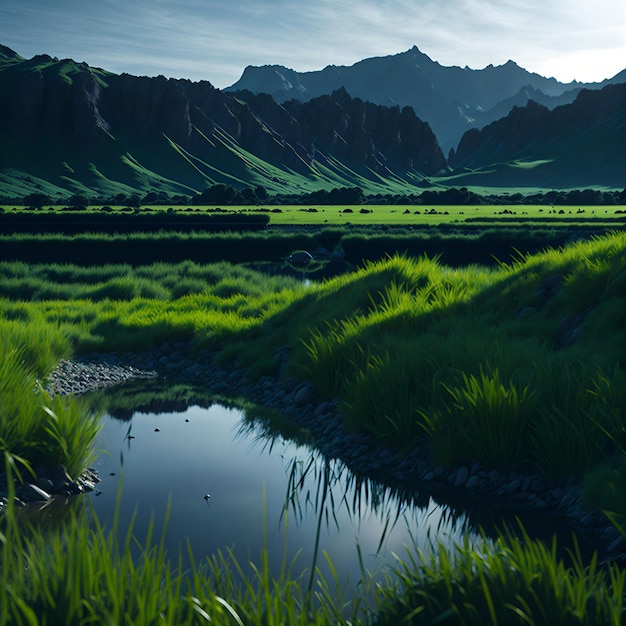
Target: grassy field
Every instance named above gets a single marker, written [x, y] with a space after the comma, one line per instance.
[392, 214]
[517, 366]
[437, 215]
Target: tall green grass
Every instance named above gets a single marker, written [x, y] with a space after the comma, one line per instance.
[40, 430]
[514, 582]
[481, 410]
[80, 573]
[125, 308]
[159, 281]
[115, 308]
[480, 364]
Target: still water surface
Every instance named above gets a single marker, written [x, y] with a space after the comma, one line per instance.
[262, 491]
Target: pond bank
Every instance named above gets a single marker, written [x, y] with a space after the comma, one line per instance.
[298, 402]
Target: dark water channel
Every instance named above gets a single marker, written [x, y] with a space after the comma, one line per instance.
[263, 491]
[228, 479]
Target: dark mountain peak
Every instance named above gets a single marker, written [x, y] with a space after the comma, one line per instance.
[7, 54]
[273, 79]
[508, 67]
[512, 71]
[411, 58]
[42, 58]
[451, 99]
[341, 96]
[415, 52]
[534, 105]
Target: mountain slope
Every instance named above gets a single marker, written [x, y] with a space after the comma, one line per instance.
[450, 99]
[382, 139]
[66, 126]
[580, 144]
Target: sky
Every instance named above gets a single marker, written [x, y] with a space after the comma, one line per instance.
[215, 40]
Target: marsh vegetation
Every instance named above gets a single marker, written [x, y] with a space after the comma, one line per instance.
[517, 366]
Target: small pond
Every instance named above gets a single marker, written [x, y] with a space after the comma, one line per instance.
[228, 484]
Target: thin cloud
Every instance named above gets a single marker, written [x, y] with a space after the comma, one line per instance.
[213, 40]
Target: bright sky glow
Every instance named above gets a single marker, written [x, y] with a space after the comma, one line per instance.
[215, 40]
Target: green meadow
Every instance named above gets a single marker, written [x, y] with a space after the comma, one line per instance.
[437, 215]
[375, 214]
[519, 366]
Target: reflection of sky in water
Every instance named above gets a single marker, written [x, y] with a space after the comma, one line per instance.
[208, 454]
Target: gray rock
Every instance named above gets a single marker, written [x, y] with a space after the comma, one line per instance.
[557, 493]
[322, 410]
[611, 534]
[461, 477]
[472, 482]
[616, 545]
[305, 395]
[514, 485]
[291, 384]
[494, 477]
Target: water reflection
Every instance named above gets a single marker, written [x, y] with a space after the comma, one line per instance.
[264, 490]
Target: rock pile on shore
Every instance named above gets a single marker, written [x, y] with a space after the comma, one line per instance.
[81, 376]
[49, 482]
[298, 402]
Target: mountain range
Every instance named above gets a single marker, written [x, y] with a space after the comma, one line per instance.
[66, 127]
[451, 99]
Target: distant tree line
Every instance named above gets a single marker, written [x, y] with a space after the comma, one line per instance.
[226, 195]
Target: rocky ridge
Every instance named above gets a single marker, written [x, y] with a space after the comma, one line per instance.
[298, 401]
[85, 125]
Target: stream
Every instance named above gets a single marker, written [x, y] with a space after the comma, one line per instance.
[227, 484]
